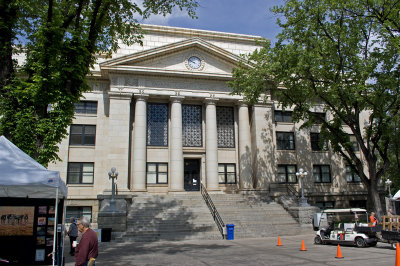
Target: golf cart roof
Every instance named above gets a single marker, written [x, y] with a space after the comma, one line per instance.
[344, 210]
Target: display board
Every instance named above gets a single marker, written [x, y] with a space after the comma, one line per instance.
[27, 230]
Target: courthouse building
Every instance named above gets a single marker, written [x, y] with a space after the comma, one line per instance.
[164, 116]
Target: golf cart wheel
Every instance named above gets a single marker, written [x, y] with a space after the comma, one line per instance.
[360, 242]
[317, 240]
[394, 245]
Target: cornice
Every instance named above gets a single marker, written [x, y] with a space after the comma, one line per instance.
[120, 95]
[201, 33]
[165, 72]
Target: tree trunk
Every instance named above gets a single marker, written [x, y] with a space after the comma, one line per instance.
[374, 198]
[7, 21]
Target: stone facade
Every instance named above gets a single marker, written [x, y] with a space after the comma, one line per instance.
[176, 68]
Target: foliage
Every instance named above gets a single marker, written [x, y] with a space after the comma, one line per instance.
[393, 171]
[345, 55]
[60, 42]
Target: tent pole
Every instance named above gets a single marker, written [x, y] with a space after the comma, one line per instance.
[55, 228]
[63, 231]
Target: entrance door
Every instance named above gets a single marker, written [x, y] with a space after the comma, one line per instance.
[192, 175]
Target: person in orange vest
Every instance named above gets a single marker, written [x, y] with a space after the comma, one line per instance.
[372, 219]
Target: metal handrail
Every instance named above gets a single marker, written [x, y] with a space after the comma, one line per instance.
[214, 211]
[292, 190]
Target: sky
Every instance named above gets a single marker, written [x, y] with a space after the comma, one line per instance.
[251, 17]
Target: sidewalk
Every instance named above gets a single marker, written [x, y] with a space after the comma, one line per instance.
[261, 251]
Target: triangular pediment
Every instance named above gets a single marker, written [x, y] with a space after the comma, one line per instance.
[173, 59]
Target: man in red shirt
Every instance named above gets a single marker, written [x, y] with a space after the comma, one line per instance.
[88, 247]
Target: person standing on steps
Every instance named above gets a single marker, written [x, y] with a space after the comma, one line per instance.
[87, 250]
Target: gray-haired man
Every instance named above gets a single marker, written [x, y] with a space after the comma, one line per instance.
[88, 248]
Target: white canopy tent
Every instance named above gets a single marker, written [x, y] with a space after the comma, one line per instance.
[396, 196]
[23, 177]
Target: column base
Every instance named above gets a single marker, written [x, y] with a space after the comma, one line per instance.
[176, 190]
[213, 189]
[139, 190]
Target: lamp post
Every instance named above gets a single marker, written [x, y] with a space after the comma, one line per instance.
[113, 174]
[388, 182]
[302, 174]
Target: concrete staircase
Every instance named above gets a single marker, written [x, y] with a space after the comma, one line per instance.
[169, 217]
[256, 216]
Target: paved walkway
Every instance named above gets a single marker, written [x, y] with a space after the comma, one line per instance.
[261, 251]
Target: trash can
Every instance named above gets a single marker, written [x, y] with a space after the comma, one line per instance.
[106, 234]
[230, 228]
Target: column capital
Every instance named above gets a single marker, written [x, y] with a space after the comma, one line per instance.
[141, 97]
[176, 99]
[211, 100]
[242, 103]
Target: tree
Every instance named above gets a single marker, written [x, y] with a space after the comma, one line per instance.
[60, 42]
[394, 156]
[345, 55]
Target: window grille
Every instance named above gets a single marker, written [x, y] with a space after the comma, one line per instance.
[225, 127]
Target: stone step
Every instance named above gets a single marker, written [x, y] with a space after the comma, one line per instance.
[186, 216]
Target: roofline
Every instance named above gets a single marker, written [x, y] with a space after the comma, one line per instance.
[201, 33]
[181, 45]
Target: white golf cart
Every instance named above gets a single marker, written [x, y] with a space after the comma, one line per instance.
[345, 227]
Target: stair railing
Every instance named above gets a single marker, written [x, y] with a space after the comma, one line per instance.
[213, 210]
[292, 191]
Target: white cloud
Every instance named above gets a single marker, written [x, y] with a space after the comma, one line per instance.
[160, 19]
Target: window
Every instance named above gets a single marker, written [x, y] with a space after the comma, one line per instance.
[157, 173]
[80, 173]
[78, 212]
[86, 107]
[351, 176]
[227, 173]
[317, 118]
[287, 173]
[283, 116]
[317, 144]
[354, 142]
[157, 124]
[191, 126]
[285, 140]
[322, 174]
[358, 204]
[323, 205]
[82, 135]
[225, 127]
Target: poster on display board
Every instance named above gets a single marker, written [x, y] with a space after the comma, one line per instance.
[39, 255]
[16, 220]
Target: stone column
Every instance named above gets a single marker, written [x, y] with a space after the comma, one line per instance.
[117, 145]
[263, 151]
[175, 145]
[211, 145]
[139, 144]
[245, 166]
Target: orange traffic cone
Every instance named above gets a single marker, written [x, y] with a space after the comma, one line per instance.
[397, 255]
[303, 247]
[279, 241]
[339, 253]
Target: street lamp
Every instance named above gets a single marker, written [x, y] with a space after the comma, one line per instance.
[388, 182]
[113, 174]
[302, 174]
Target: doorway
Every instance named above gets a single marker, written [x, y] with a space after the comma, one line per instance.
[192, 175]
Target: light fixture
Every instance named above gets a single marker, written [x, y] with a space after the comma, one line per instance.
[302, 174]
